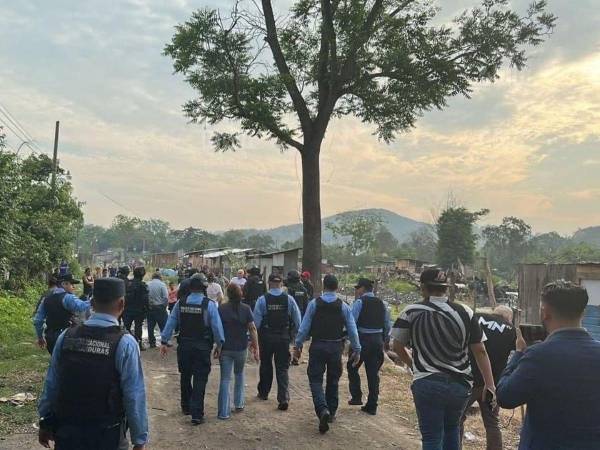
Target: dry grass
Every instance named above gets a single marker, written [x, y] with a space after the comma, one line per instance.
[395, 392]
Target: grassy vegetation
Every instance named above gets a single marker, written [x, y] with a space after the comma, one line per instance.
[401, 287]
[22, 363]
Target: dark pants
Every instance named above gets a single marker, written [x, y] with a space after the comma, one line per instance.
[372, 358]
[278, 349]
[51, 336]
[440, 401]
[90, 437]
[491, 420]
[136, 317]
[325, 357]
[193, 360]
[157, 315]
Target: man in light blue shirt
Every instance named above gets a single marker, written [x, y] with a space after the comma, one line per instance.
[95, 381]
[56, 311]
[277, 318]
[200, 327]
[158, 298]
[324, 321]
[372, 317]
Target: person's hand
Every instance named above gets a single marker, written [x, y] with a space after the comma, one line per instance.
[255, 353]
[488, 396]
[355, 358]
[296, 353]
[520, 343]
[217, 353]
[164, 350]
[41, 342]
[44, 437]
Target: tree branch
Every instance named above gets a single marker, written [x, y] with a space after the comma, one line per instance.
[284, 70]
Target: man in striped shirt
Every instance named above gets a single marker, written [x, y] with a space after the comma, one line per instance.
[440, 334]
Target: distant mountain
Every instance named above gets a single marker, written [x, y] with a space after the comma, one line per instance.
[401, 227]
[590, 235]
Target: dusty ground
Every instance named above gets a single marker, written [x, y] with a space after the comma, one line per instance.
[262, 426]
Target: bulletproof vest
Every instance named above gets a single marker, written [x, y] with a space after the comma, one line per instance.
[277, 320]
[134, 295]
[372, 313]
[192, 325]
[300, 294]
[89, 389]
[328, 321]
[57, 316]
[255, 288]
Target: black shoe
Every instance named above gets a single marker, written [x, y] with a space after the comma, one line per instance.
[153, 345]
[355, 402]
[238, 410]
[262, 397]
[332, 418]
[185, 411]
[199, 421]
[324, 421]
[368, 410]
[283, 406]
[142, 347]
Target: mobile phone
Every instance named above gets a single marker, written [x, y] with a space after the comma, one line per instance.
[533, 333]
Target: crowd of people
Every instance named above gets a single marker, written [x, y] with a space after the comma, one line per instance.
[95, 390]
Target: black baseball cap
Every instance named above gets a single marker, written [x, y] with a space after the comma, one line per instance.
[275, 278]
[364, 283]
[434, 277]
[68, 278]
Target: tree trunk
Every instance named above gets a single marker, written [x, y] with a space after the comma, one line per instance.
[311, 213]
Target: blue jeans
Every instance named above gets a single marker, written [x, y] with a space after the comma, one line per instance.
[440, 402]
[231, 361]
[157, 315]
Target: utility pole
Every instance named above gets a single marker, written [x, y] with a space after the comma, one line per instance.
[55, 158]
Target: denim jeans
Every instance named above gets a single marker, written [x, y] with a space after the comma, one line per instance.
[231, 361]
[157, 315]
[324, 357]
[440, 401]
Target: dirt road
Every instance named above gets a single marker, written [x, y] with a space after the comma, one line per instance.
[261, 425]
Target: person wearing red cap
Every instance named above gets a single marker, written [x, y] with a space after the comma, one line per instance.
[305, 278]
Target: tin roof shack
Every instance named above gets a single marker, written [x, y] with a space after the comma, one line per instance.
[281, 261]
[164, 260]
[410, 265]
[533, 277]
[226, 260]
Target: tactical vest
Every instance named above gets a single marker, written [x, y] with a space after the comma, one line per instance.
[372, 313]
[192, 325]
[135, 295]
[57, 316]
[300, 294]
[89, 387]
[277, 320]
[328, 321]
[254, 288]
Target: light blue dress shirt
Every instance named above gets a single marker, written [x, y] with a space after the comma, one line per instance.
[328, 297]
[71, 303]
[211, 319]
[357, 308]
[260, 310]
[129, 366]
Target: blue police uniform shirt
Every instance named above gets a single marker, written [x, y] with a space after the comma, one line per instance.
[212, 319]
[328, 297]
[129, 366]
[357, 308]
[260, 310]
[71, 303]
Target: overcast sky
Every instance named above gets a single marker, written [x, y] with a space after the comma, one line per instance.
[528, 145]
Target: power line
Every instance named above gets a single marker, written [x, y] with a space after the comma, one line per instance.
[20, 128]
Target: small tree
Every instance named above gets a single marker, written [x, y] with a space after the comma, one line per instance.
[507, 244]
[359, 230]
[456, 238]
[383, 61]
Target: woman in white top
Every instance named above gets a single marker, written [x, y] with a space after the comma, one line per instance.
[214, 291]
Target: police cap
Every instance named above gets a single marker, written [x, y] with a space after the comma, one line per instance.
[107, 290]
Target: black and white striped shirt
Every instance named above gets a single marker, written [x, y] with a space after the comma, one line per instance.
[439, 333]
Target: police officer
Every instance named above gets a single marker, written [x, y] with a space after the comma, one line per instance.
[95, 382]
[136, 304]
[277, 319]
[57, 311]
[123, 274]
[199, 328]
[373, 321]
[324, 321]
[254, 287]
[298, 290]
